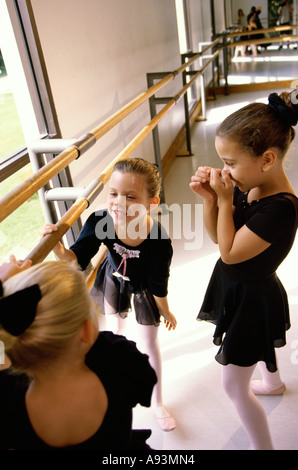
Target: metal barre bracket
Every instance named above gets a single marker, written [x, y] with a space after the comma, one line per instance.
[63, 194]
[89, 193]
[84, 143]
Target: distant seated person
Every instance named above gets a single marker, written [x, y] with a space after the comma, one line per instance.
[240, 22]
[68, 386]
[285, 13]
[240, 19]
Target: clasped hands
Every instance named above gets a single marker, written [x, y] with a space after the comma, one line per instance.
[210, 183]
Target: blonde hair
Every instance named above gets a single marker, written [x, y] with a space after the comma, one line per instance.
[142, 167]
[64, 307]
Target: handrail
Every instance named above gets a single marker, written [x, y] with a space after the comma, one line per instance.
[19, 195]
[46, 244]
[264, 40]
[273, 29]
[210, 60]
[247, 42]
[11, 201]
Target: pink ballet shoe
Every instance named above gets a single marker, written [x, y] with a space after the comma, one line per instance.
[165, 421]
[256, 386]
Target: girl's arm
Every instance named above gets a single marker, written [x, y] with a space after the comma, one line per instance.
[234, 246]
[163, 307]
[210, 219]
[200, 184]
[60, 251]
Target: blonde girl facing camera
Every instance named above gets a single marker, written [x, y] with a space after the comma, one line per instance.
[59, 391]
[137, 263]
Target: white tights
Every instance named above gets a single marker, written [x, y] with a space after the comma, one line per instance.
[270, 380]
[236, 383]
[149, 345]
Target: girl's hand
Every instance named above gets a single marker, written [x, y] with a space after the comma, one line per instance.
[163, 308]
[13, 267]
[169, 320]
[48, 228]
[221, 183]
[200, 183]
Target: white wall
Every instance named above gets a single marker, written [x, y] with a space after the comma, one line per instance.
[219, 7]
[97, 54]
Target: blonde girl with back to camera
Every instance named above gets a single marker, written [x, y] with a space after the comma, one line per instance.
[58, 391]
[137, 263]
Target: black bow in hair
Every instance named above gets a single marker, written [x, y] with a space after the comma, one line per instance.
[17, 311]
[285, 113]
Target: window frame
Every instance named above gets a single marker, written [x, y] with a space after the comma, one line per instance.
[28, 44]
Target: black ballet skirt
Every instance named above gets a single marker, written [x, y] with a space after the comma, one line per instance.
[140, 271]
[118, 292]
[247, 301]
[251, 316]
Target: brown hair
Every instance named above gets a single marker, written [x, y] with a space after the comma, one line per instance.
[140, 166]
[257, 127]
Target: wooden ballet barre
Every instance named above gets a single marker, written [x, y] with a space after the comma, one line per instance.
[275, 29]
[112, 121]
[263, 41]
[215, 54]
[47, 243]
[25, 190]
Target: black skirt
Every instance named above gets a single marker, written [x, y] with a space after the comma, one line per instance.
[251, 314]
[116, 292]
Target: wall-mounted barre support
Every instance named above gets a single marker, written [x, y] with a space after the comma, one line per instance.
[75, 149]
[154, 101]
[45, 246]
[23, 192]
[63, 194]
[39, 151]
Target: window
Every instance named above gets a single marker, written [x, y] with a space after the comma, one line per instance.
[23, 87]
[184, 35]
[27, 114]
[11, 133]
